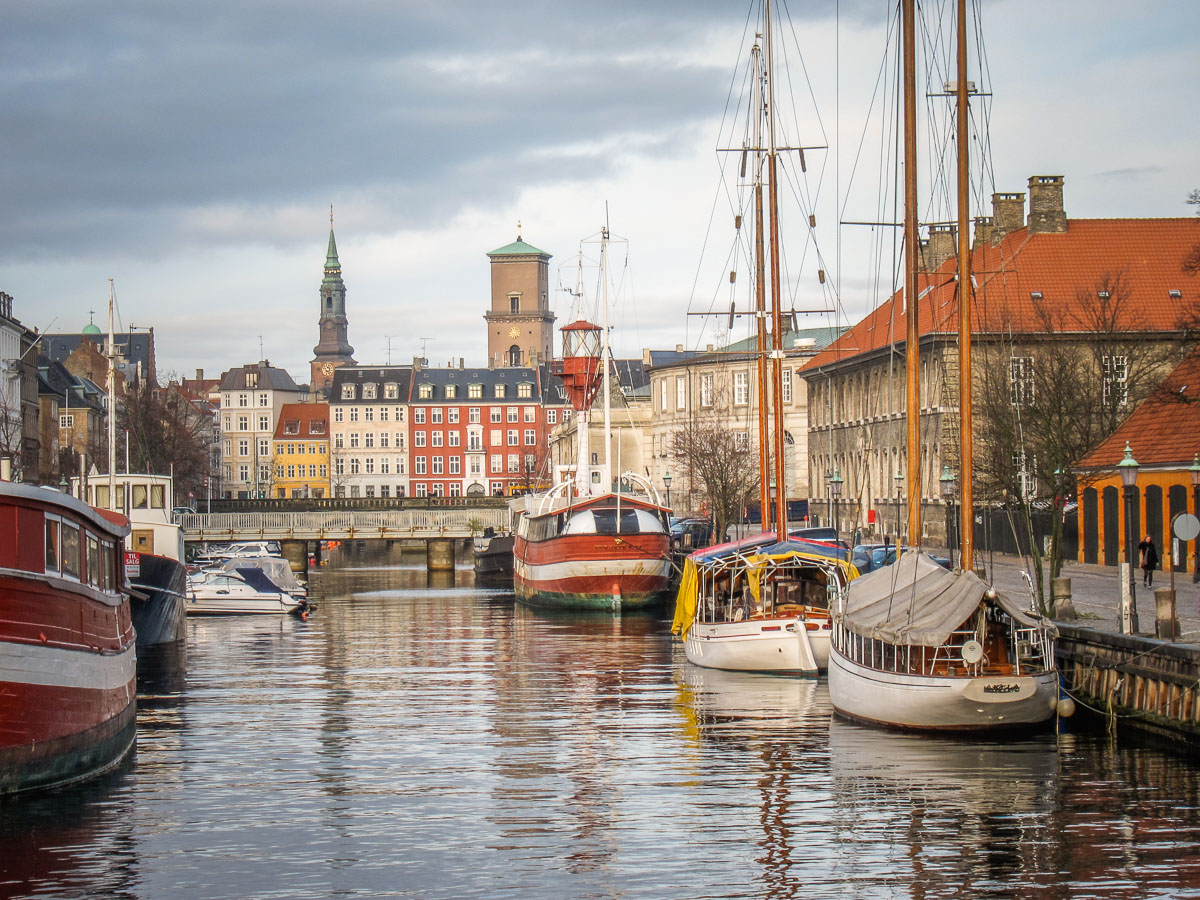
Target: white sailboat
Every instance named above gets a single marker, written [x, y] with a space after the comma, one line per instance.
[914, 645]
[762, 604]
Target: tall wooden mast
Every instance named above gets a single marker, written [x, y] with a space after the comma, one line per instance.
[911, 262]
[760, 295]
[965, 467]
[780, 471]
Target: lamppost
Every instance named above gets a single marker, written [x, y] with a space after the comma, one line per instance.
[949, 487]
[835, 491]
[1128, 467]
[899, 496]
[1194, 471]
[667, 485]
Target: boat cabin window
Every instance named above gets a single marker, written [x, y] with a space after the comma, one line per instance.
[139, 496]
[102, 497]
[108, 568]
[604, 521]
[94, 576]
[70, 549]
[158, 494]
[52, 540]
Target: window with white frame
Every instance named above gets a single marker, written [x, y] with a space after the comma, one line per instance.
[418, 439]
[264, 423]
[525, 390]
[369, 414]
[681, 392]
[514, 462]
[243, 423]
[419, 416]
[496, 414]
[264, 446]
[551, 416]
[369, 440]
[435, 415]
[435, 438]
[451, 391]
[391, 391]
[530, 437]
[741, 440]
[369, 391]
[1116, 380]
[425, 391]
[1020, 379]
[514, 413]
[353, 440]
[453, 439]
[497, 462]
[706, 390]
[354, 414]
[473, 415]
[348, 391]
[455, 463]
[418, 465]
[662, 394]
[741, 388]
[338, 414]
[243, 446]
[787, 386]
[452, 415]
[475, 391]
[437, 466]
[66, 421]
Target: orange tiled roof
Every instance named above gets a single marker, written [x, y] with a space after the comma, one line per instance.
[1164, 430]
[305, 414]
[1148, 252]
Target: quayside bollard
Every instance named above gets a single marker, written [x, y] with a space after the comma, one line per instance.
[1166, 626]
[1061, 606]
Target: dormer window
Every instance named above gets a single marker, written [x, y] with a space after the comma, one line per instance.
[451, 391]
[1035, 295]
[425, 392]
[525, 390]
[1103, 295]
[251, 379]
[316, 426]
[475, 391]
[391, 391]
[291, 426]
[499, 391]
[348, 391]
[1175, 294]
[369, 390]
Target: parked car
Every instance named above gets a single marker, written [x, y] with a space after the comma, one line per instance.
[182, 511]
[690, 533]
[868, 557]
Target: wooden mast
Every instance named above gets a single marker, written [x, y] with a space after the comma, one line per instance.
[965, 465]
[760, 295]
[780, 473]
[911, 260]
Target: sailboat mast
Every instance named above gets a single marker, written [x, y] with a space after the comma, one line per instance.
[965, 465]
[604, 354]
[911, 260]
[110, 386]
[760, 293]
[776, 326]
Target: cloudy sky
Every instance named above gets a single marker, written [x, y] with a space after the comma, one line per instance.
[191, 151]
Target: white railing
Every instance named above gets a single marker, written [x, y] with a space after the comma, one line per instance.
[340, 525]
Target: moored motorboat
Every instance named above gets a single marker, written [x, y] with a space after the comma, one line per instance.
[67, 649]
[242, 591]
[493, 556]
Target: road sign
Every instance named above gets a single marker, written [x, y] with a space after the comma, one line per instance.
[1187, 527]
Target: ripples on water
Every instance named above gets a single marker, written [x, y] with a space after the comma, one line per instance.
[419, 737]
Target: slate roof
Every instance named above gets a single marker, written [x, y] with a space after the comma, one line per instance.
[270, 378]
[1065, 269]
[509, 376]
[136, 347]
[1164, 431]
[380, 375]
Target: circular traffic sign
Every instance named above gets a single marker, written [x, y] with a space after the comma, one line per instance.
[1187, 527]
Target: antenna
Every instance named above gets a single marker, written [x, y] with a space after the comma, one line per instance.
[260, 347]
[388, 338]
[424, 355]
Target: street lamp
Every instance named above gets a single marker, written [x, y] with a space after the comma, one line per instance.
[949, 487]
[1194, 471]
[1128, 467]
[667, 485]
[835, 491]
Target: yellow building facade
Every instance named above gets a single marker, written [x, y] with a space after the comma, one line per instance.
[300, 461]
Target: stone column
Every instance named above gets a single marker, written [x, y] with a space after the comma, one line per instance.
[439, 555]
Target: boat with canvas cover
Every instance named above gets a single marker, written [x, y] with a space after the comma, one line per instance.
[67, 647]
[241, 592]
[761, 605]
[914, 645]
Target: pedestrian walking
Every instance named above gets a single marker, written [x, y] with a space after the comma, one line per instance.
[1149, 561]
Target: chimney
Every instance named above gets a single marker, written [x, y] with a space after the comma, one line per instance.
[984, 225]
[1046, 214]
[461, 362]
[1008, 214]
[199, 374]
[939, 248]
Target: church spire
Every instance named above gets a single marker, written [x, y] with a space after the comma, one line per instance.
[333, 348]
[332, 266]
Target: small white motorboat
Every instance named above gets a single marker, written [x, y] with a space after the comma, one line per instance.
[243, 591]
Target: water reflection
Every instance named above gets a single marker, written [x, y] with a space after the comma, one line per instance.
[421, 736]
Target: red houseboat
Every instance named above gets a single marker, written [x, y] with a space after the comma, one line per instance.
[67, 652]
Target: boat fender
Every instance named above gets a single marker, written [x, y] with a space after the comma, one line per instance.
[1066, 707]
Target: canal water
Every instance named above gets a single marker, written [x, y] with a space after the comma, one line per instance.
[419, 737]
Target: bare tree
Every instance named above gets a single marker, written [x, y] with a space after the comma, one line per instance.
[1047, 397]
[167, 433]
[725, 471]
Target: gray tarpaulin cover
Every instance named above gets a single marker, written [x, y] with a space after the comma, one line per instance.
[277, 569]
[916, 601]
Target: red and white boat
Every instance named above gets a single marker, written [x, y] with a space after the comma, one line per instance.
[611, 551]
[591, 541]
[67, 648]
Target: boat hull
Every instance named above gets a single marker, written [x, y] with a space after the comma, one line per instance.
[776, 646]
[160, 611]
[68, 684]
[592, 572]
[940, 703]
[494, 562]
[266, 605]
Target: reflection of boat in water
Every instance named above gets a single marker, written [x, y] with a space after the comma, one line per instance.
[752, 702]
[67, 651]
